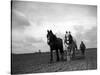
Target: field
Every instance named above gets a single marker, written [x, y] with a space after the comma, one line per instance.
[39, 63]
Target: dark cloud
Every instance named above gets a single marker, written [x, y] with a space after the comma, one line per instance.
[88, 36]
[91, 37]
[19, 21]
[33, 40]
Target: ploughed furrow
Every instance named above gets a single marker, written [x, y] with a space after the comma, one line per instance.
[61, 66]
[78, 63]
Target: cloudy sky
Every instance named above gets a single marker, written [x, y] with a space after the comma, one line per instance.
[30, 21]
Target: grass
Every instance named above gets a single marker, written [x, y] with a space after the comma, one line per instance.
[39, 63]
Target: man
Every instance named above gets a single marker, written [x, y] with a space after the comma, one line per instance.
[82, 48]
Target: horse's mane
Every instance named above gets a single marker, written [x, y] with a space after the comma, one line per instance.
[53, 37]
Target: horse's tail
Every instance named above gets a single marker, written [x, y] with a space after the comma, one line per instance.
[60, 41]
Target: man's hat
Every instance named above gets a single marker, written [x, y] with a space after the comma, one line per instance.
[69, 32]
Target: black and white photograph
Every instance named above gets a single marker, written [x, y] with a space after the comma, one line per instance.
[52, 37]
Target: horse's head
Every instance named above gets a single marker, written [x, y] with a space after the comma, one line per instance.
[68, 38]
[50, 37]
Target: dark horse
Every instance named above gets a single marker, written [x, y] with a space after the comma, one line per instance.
[55, 44]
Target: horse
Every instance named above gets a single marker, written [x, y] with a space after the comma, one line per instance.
[70, 44]
[55, 44]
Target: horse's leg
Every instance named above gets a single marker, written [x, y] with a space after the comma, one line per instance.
[62, 54]
[51, 54]
[57, 54]
[74, 50]
[71, 50]
[73, 54]
[66, 50]
[68, 54]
